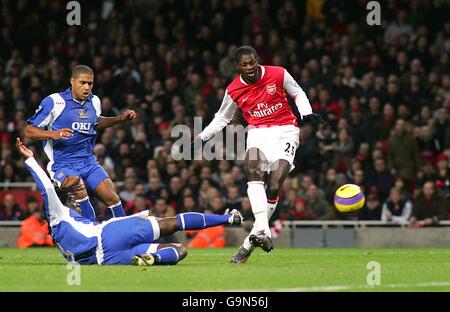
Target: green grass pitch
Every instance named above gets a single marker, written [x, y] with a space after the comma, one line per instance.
[284, 269]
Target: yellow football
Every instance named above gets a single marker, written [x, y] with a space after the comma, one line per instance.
[349, 198]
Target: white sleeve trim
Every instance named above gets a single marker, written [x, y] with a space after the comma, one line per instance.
[97, 105]
[297, 93]
[221, 118]
[44, 123]
[58, 106]
[57, 211]
[40, 173]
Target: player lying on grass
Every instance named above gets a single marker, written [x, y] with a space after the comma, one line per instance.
[124, 240]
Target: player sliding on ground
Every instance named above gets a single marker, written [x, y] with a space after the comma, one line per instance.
[273, 137]
[124, 240]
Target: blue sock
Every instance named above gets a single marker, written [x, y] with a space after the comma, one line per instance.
[117, 210]
[87, 210]
[197, 221]
[168, 255]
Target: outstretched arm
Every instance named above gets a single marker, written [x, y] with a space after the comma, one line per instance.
[34, 168]
[54, 208]
[301, 100]
[106, 122]
[297, 93]
[35, 133]
[221, 118]
[42, 118]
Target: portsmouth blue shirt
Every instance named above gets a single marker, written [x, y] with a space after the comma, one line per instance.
[60, 110]
[76, 236]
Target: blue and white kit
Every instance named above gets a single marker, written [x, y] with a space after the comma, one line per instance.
[87, 242]
[72, 156]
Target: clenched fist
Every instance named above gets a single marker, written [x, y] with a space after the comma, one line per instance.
[129, 114]
[313, 118]
[63, 133]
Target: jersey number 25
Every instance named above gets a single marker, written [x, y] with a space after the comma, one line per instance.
[290, 149]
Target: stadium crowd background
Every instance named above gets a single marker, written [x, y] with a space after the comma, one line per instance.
[384, 90]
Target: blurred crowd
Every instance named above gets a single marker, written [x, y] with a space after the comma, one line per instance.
[384, 91]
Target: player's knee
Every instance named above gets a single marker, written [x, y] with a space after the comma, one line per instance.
[174, 225]
[255, 172]
[252, 165]
[182, 250]
[78, 186]
[112, 199]
[168, 226]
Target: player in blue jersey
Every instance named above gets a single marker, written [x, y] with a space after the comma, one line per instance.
[124, 240]
[67, 122]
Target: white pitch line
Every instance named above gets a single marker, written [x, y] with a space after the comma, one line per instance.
[371, 253]
[347, 253]
[338, 287]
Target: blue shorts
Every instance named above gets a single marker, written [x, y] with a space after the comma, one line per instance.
[89, 170]
[123, 238]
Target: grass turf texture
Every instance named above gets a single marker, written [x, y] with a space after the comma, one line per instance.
[283, 269]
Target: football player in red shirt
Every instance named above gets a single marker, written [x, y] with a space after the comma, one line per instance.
[260, 92]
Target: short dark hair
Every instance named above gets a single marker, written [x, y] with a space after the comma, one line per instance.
[81, 69]
[243, 50]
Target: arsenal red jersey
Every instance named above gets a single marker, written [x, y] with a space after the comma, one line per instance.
[263, 103]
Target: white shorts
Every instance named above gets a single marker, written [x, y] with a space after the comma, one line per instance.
[277, 142]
